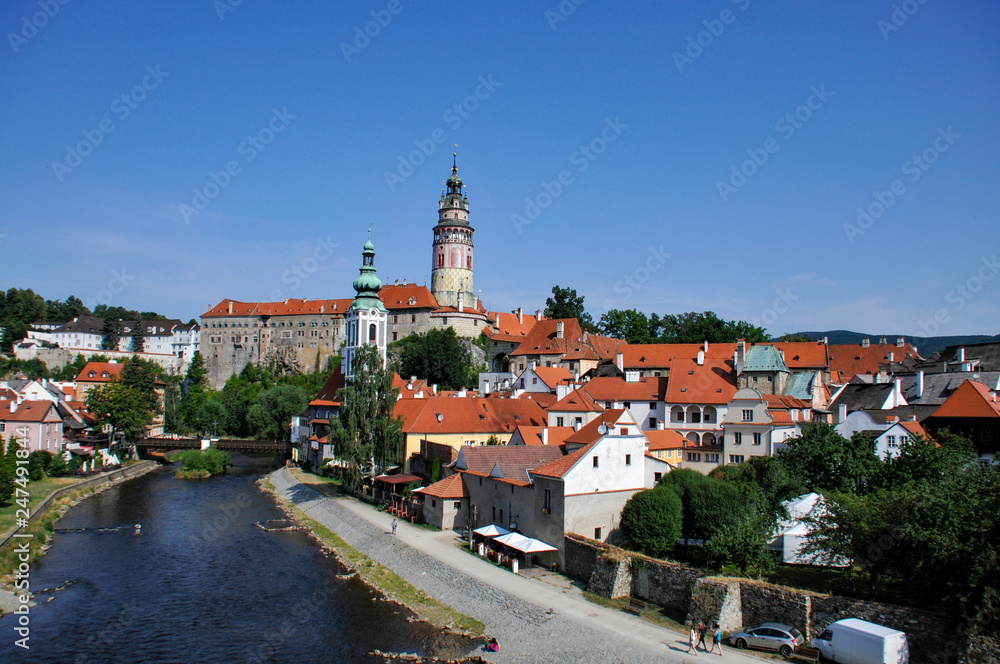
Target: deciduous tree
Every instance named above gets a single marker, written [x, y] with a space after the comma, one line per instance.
[651, 519]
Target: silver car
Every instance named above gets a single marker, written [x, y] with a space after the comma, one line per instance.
[769, 636]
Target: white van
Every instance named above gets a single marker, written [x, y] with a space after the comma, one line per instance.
[853, 641]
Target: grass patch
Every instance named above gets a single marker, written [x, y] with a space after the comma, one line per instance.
[387, 581]
[38, 491]
[652, 613]
[328, 486]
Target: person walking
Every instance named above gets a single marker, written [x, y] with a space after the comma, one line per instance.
[716, 639]
[701, 637]
[393, 526]
[692, 639]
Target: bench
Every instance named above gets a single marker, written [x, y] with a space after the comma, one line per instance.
[805, 654]
[635, 606]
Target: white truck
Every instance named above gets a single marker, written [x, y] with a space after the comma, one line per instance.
[854, 641]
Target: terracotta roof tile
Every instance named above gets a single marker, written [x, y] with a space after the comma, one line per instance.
[971, 399]
[616, 388]
[851, 359]
[28, 411]
[713, 382]
[665, 439]
[290, 307]
[553, 376]
[450, 415]
[450, 487]
[576, 401]
[102, 372]
[533, 435]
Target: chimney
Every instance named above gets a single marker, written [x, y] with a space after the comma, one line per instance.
[538, 315]
[961, 354]
[434, 388]
[576, 426]
[900, 342]
[701, 358]
[620, 361]
[230, 307]
[826, 341]
[461, 300]
[545, 435]
[560, 327]
[659, 425]
[890, 356]
[586, 337]
[920, 383]
[413, 379]
[404, 281]
[741, 353]
[520, 316]
[911, 418]
[882, 341]
[532, 365]
[841, 413]
[897, 395]
[866, 342]
[706, 346]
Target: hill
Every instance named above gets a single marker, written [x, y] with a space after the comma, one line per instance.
[925, 345]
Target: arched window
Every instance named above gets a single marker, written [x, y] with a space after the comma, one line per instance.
[468, 262]
[440, 260]
[371, 333]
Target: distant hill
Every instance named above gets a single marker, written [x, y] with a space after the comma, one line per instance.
[925, 345]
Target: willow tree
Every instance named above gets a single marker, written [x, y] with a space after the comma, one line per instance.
[366, 434]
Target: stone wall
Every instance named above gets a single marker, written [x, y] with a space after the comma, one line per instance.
[925, 631]
[763, 602]
[581, 557]
[665, 584]
[717, 601]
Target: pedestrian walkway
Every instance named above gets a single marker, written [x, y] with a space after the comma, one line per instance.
[533, 620]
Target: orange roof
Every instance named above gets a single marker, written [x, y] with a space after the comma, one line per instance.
[510, 463]
[508, 327]
[971, 399]
[589, 435]
[665, 439]
[28, 411]
[99, 372]
[915, 428]
[450, 487]
[552, 376]
[451, 415]
[408, 296]
[576, 401]
[804, 354]
[657, 356]
[327, 395]
[851, 359]
[713, 382]
[542, 340]
[290, 307]
[533, 435]
[615, 388]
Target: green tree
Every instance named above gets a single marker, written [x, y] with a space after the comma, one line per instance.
[143, 375]
[38, 463]
[58, 466]
[694, 328]
[9, 461]
[197, 373]
[683, 483]
[366, 434]
[111, 333]
[271, 414]
[125, 407]
[7, 485]
[767, 474]
[565, 303]
[791, 337]
[651, 520]
[138, 337]
[437, 356]
[826, 461]
[211, 413]
[739, 539]
[631, 325]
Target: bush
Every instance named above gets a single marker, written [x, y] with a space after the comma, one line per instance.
[38, 463]
[651, 519]
[74, 464]
[213, 461]
[7, 485]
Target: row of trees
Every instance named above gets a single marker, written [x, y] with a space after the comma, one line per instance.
[439, 356]
[40, 464]
[636, 327]
[928, 516]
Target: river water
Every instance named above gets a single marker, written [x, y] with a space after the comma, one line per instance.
[202, 583]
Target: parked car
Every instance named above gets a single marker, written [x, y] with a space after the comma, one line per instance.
[853, 641]
[769, 636]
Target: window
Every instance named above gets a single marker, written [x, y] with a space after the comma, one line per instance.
[628, 459]
[748, 416]
[440, 260]
[597, 462]
[694, 456]
[534, 381]
[457, 505]
[712, 458]
[735, 458]
[652, 405]
[501, 516]
[494, 511]
[890, 441]
[559, 421]
[547, 502]
[597, 533]
[413, 318]
[657, 476]
[679, 416]
[756, 439]
[695, 417]
[737, 438]
[652, 423]
[434, 503]
[578, 421]
[627, 405]
[395, 336]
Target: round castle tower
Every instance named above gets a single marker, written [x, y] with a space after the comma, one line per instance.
[451, 269]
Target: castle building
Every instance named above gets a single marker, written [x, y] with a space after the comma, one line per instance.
[451, 270]
[367, 316]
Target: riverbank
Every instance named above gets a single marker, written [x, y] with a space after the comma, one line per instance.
[533, 619]
[42, 523]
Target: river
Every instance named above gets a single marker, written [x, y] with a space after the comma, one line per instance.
[202, 583]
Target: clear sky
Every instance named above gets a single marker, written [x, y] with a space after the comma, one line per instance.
[712, 155]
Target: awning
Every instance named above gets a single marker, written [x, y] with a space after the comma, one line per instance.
[491, 531]
[524, 544]
[398, 479]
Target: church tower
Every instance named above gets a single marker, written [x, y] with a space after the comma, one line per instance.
[451, 269]
[367, 317]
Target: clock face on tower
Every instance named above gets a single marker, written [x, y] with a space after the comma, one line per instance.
[373, 311]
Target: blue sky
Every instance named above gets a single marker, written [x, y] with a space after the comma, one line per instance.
[713, 155]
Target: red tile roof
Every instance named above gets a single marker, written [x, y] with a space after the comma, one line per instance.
[553, 376]
[665, 439]
[290, 307]
[591, 433]
[410, 296]
[849, 360]
[513, 462]
[800, 355]
[327, 395]
[453, 415]
[102, 372]
[533, 435]
[542, 340]
[507, 327]
[576, 401]
[658, 356]
[915, 428]
[615, 388]
[28, 411]
[713, 382]
[450, 487]
[971, 399]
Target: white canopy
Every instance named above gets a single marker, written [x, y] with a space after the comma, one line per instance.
[525, 544]
[491, 531]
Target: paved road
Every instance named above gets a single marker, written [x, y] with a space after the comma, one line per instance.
[514, 609]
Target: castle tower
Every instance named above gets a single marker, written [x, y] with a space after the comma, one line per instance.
[451, 269]
[367, 317]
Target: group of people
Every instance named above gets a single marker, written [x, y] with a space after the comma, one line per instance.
[696, 638]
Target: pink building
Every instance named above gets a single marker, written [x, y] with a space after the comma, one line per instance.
[35, 424]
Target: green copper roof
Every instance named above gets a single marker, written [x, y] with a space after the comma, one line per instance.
[764, 357]
[367, 283]
[799, 385]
